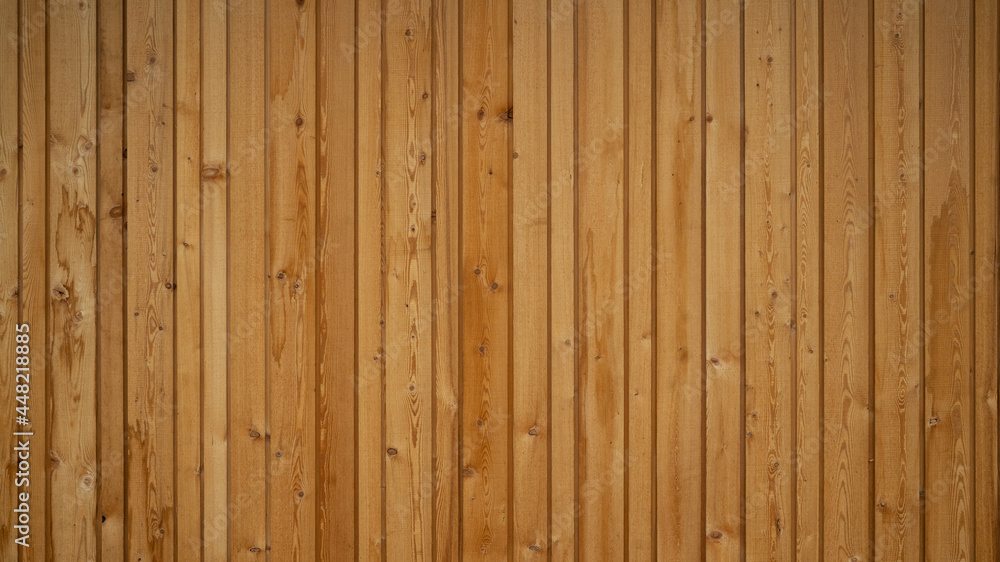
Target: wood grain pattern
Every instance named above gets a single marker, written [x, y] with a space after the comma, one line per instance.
[897, 285]
[564, 338]
[370, 189]
[9, 273]
[214, 174]
[529, 281]
[949, 301]
[446, 258]
[433, 279]
[291, 290]
[150, 266]
[808, 273]
[847, 404]
[724, 429]
[111, 281]
[33, 283]
[336, 253]
[680, 284]
[408, 395]
[485, 279]
[249, 356]
[600, 274]
[72, 282]
[640, 523]
[986, 158]
[187, 280]
[769, 311]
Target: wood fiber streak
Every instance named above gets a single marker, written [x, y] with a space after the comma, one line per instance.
[948, 287]
[680, 287]
[72, 282]
[485, 279]
[897, 285]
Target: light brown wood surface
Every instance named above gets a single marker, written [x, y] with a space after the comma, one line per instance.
[567, 280]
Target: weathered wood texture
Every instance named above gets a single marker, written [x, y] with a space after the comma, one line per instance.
[501, 279]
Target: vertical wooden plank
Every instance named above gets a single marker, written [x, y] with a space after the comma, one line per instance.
[291, 266]
[33, 289]
[444, 221]
[72, 114]
[847, 291]
[947, 290]
[408, 279]
[150, 178]
[808, 278]
[724, 428]
[639, 378]
[110, 280]
[679, 282]
[10, 343]
[370, 282]
[985, 131]
[563, 339]
[335, 274]
[897, 282]
[485, 280]
[600, 236]
[187, 282]
[214, 281]
[768, 312]
[247, 282]
[530, 280]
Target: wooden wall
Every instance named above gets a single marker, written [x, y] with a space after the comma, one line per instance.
[502, 279]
